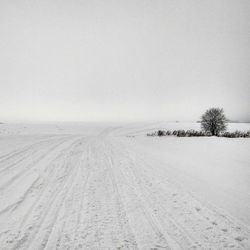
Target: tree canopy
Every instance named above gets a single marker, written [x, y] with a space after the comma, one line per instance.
[214, 121]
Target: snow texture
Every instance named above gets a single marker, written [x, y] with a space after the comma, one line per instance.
[74, 186]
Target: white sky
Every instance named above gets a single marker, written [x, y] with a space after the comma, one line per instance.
[87, 60]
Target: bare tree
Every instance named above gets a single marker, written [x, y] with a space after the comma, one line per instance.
[214, 121]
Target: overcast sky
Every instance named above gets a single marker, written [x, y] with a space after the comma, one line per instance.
[90, 60]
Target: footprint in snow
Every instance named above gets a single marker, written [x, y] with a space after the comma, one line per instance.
[239, 238]
[198, 209]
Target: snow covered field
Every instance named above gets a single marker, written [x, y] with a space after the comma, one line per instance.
[75, 186]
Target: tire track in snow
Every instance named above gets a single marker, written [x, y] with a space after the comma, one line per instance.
[219, 237]
[18, 180]
[162, 239]
[52, 206]
[103, 223]
[30, 150]
[26, 226]
[64, 235]
[16, 153]
[30, 165]
[49, 179]
[65, 191]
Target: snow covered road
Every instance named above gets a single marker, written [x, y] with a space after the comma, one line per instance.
[108, 191]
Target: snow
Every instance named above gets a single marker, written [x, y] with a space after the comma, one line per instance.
[108, 186]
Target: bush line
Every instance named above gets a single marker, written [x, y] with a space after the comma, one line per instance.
[195, 133]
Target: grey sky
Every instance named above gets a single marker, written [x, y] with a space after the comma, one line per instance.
[123, 60]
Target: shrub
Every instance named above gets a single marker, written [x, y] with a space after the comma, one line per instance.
[236, 134]
[152, 134]
[161, 133]
[168, 132]
[180, 133]
[193, 133]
